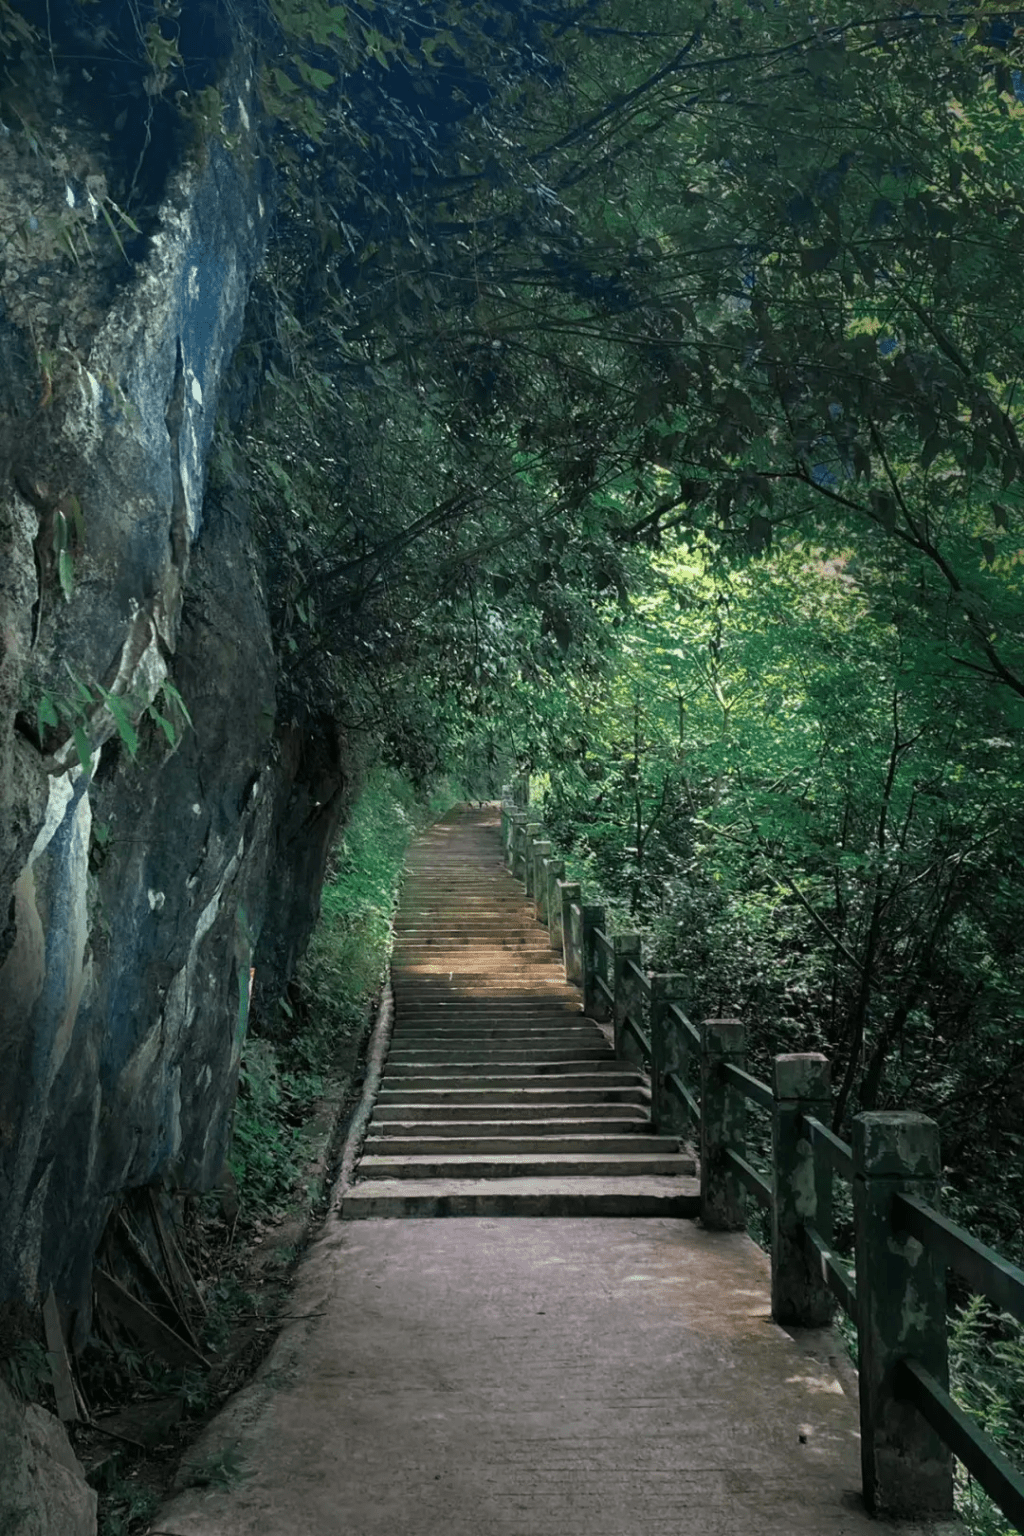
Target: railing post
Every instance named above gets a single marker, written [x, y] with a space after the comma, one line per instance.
[628, 995]
[802, 1190]
[534, 829]
[570, 895]
[554, 870]
[595, 1004]
[521, 790]
[667, 1115]
[517, 831]
[901, 1313]
[541, 851]
[723, 1124]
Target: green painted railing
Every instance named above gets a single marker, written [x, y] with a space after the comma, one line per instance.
[700, 1088]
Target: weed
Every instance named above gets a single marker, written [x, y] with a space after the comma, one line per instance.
[222, 1469]
[27, 1369]
[126, 1505]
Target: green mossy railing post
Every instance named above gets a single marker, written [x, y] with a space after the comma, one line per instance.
[901, 1313]
[570, 894]
[554, 872]
[723, 1124]
[801, 1189]
[517, 833]
[668, 1054]
[521, 791]
[534, 830]
[595, 1004]
[628, 993]
[541, 851]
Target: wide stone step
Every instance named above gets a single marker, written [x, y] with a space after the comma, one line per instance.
[635, 1195]
[472, 1056]
[508, 1086]
[513, 1036]
[475, 1006]
[406, 1106]
[540, 1032]
[522, 1145]
[628, 1123]
[513, 1165]
[497, 1070]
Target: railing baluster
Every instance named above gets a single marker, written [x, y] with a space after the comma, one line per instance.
[723, 1123]
[541, 851]
[534, 830]
[569, 895]
[901, 1313]
[668, 1054]
[595, 1004]
[554, 872]
[628, 996]
[802, 1191]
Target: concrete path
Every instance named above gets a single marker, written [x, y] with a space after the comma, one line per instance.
[532, 1377]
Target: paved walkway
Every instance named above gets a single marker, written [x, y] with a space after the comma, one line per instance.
[559, 1375]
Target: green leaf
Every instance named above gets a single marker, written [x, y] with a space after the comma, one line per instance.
[164, 724]
[125, 729]
[46, 715]
[82, 747]
[176, 699]
[66, 572]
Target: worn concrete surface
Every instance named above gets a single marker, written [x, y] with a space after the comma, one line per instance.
[520, 1377]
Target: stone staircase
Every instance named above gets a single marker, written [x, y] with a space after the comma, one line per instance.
[498, 1097]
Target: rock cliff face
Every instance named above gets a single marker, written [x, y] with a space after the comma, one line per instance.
[134, 893]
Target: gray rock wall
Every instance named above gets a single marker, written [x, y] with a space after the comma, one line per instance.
[133, 894]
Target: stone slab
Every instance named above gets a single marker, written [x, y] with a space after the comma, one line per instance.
[525, 1197]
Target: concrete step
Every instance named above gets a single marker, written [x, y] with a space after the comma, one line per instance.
[500, 1107]
[421, 996]
[534, 1026]
[627, 1123]
[511, 1091]
[473, 1145]
[511, 1165]
[637, 1195]
[408, 1057]
[496, 1071]
[553, 1037]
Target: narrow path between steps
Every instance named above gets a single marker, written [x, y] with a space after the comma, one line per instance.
[546, 1374]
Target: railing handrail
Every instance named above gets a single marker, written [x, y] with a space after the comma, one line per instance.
[838, 1152]
[640, 975]
[681, 1019]
[751, 1087]
[891, 1213]
[985, 1270]
[637, 1032]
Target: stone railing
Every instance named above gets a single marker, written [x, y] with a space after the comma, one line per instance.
[910, 1426]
